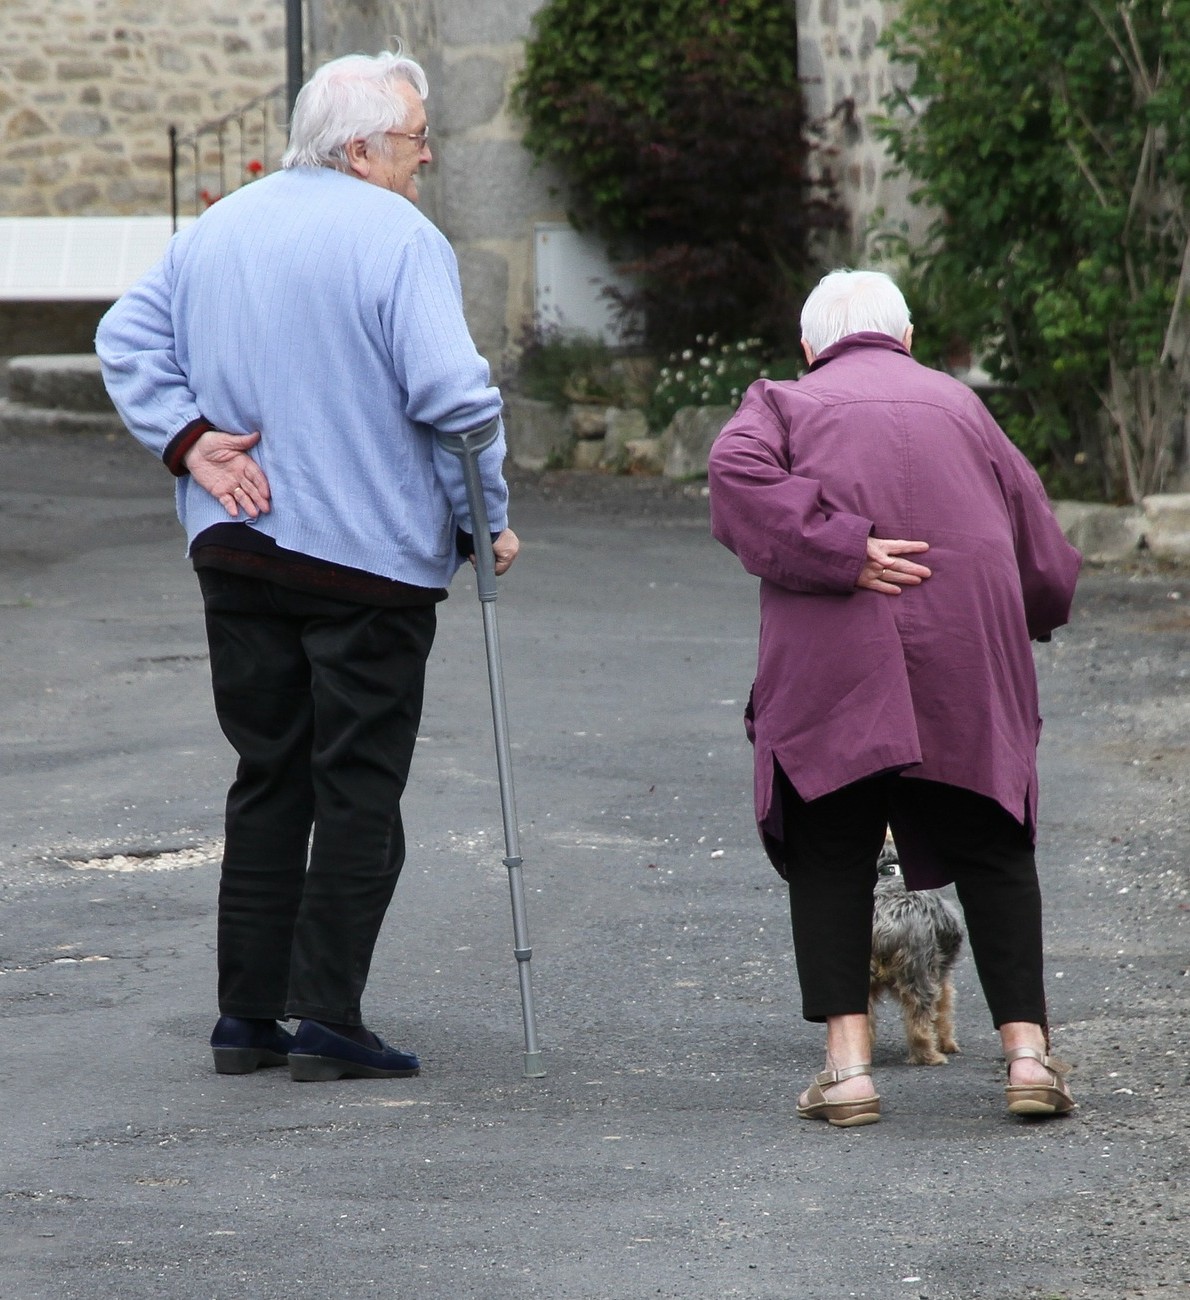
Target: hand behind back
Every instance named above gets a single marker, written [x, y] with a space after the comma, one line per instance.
[887, 571]
[219, 462]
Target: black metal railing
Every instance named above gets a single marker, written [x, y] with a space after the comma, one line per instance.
[220, 156]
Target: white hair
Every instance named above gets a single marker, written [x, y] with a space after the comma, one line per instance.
[853, 302]
[347, 99]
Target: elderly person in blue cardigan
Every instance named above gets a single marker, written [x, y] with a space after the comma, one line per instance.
[907, 555]
[290, 360]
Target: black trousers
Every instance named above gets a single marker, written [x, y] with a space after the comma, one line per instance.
[832, 845]
[322, 700]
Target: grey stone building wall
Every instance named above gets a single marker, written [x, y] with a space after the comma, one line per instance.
[845, 76]
[89, 87]
[484, 191]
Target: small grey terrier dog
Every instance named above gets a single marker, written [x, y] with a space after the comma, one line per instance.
[916, 939]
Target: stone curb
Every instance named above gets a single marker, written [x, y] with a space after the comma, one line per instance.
[1159, 526]
[66, 382]
[18, 420]
[1166, 528]
[1103, 533]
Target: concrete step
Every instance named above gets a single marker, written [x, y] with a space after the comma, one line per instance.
[67, 382]
[17, 419]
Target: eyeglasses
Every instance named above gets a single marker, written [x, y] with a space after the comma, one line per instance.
[420, 138]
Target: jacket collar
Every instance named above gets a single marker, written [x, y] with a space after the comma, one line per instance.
[866, 339]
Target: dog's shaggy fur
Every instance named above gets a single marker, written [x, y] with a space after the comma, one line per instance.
[916, 939]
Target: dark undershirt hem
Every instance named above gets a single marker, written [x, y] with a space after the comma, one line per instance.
[236, 549]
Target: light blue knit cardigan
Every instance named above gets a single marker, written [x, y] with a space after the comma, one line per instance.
[325, 312]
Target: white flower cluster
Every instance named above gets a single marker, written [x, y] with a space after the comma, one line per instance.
[711, 374]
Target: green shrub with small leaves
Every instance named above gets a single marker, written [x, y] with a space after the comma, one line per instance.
[679, 128]
[559, 366]
[1053, 140]
[712, 373]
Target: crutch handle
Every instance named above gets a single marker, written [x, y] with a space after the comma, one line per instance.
[470, 441]
[467, 445]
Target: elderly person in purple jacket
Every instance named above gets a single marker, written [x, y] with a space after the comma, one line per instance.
[907, 555]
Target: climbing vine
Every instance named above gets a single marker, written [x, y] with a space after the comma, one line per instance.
[1053, 142]
[679, 129]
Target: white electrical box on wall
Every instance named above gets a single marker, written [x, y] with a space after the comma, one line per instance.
[571, 270]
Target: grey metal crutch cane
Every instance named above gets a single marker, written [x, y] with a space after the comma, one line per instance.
[467, 446]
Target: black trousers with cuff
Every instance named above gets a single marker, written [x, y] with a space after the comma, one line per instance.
[831, 848]
[321, 699]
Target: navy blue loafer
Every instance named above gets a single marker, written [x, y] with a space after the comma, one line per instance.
[241, 1046]
[319, 1054]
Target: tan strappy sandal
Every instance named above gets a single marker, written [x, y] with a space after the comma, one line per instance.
[842, 1114]
[1051, 1098]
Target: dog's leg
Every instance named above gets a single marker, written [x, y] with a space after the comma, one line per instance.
[919, 1032]
[944, 1017]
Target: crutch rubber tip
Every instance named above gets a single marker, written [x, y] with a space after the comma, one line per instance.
[533, 1066]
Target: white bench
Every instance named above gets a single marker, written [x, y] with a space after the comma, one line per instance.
[77, 259]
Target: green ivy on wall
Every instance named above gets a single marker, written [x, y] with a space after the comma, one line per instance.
[1054, 141]
[679, 128]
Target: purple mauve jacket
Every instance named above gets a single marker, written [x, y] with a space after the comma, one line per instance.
[937, 682]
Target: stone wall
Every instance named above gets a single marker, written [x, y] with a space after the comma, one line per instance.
[88, 89]
[845, 75]
[484, 191]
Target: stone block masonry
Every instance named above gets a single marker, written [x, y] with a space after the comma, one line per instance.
[845, 75]
[484, 191]
[88, 89]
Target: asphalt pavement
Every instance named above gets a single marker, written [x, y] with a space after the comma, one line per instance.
[660, 1155]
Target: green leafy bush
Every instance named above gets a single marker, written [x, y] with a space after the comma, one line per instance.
[559, 366]
[1054, 143]
[679, 128]
[711, 373]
